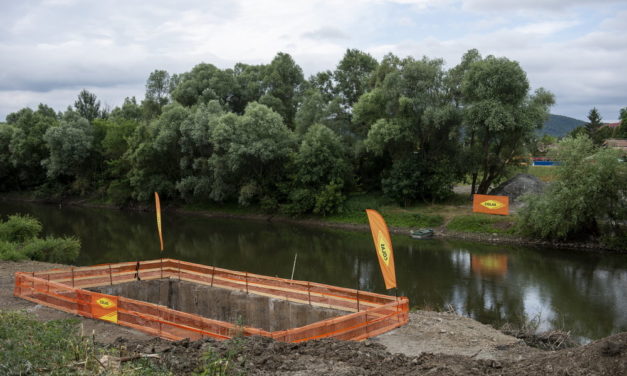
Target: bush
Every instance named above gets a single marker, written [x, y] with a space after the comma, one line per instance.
[57, 250]
[591, 187]
[19, 228]
[9, 252]
[330, 199]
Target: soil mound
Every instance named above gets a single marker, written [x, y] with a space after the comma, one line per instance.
[519, 185]
[263, 356]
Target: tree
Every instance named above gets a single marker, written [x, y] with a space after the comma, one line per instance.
[353, 74]
[250, 156]
[27, 147]
[70, 144]
[622, 129]
[500, 118]
[130, 110]
[196, 151]
[7, 171]
[282, 81]
[412, 124]
[157, 92]
[594, 126]
[591, 186]
[320, 171]
[594, 122]
[205, 82]
[154, 154]
[87, 105]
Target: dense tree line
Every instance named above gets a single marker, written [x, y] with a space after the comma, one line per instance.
[263, 134]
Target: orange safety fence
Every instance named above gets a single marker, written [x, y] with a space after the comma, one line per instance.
[64, 289]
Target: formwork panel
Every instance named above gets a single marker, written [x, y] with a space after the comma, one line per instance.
[186, 300]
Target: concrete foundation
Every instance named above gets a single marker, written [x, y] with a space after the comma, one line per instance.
[222, 304]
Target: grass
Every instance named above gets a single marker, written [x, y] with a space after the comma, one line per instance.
[419, 215]
[545, 173]
[31, 347]
[482, 223]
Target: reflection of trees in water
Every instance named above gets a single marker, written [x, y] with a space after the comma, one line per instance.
[568, 290]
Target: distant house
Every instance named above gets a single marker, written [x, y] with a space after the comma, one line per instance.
[616, 143]
[612, 125]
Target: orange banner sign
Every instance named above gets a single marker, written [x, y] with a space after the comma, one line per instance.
[158, 210]
[490, 204]
[383, 246]
[104, 307]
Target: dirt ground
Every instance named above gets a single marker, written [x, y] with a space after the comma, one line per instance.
[431, 344]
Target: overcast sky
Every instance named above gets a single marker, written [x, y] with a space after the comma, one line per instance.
[51, 49]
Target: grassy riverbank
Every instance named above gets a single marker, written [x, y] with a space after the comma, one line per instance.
[452, 218]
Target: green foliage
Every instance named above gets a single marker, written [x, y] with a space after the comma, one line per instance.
[353, 75]
[18, 241]
[19, 228]
[10, 252]
[250, 155]
[482, 223]
[590, 187]
[157, 93]
[622, 129]
[413, 125]
[88, 106]
[70, 144]
[501, 116]
[320, 171]
[27, 147]
[57, 250]
[32, 347]
[283, 78]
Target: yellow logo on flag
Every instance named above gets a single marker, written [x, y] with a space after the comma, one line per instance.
[105, 303]
[383, 249]
[492, 204]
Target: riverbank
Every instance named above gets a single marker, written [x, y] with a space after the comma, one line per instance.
[449, 221]
[434, 342]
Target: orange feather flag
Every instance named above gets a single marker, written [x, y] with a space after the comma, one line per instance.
[158, 210]
[383, 246]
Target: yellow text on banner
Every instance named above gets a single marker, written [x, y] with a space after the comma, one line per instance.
[158, 210]
[383, 246]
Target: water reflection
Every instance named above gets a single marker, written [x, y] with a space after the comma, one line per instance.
[581, 292]
[490, 265]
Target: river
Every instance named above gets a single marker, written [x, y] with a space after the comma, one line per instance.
[581, 292]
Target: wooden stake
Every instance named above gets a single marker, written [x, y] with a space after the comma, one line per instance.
[294, 266]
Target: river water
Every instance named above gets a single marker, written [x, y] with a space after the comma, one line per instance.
[581, 292]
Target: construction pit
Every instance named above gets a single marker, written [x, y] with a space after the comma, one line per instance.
[175, 299]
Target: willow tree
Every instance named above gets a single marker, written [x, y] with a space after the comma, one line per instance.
[500, 117]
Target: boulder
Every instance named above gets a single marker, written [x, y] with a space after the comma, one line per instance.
[519, 185]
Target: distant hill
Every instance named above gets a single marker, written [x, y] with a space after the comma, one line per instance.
[559, 126]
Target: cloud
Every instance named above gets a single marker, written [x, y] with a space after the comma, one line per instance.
[51, 49]
[533, 5]
[326, 33]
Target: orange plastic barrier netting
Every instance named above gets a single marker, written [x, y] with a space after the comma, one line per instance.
[63, 289]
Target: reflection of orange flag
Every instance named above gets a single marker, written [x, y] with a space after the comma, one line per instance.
[383, 246]
[158, 210]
